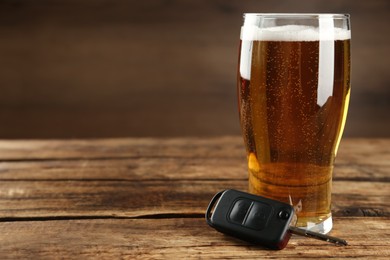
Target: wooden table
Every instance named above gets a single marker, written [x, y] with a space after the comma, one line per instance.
[146, 198]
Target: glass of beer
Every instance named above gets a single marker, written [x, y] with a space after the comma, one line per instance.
[293, 92]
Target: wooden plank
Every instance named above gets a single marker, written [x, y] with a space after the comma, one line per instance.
[119, 198]
[178, 239]
[23, 199]
[126, 169]
[364, 151]
[162, 168]
[373, 152]
[121, 148]
[108, 198]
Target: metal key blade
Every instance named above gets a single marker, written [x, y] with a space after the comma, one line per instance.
[319, 236]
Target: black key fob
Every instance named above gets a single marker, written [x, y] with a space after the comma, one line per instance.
[251, 218]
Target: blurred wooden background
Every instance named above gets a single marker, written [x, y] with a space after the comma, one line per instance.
[93, 68]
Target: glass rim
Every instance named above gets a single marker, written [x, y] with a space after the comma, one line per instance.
[298, 15]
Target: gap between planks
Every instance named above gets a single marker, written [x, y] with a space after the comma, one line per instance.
[347, 212]
[147, 216]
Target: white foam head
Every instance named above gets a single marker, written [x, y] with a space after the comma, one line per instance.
[256, 28]
[294, 33]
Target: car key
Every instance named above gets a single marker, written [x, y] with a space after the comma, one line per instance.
[257, 219]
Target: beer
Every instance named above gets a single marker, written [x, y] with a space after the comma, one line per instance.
[293, 94]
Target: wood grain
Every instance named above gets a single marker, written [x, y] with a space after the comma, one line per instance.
[179, 238]
[121, 148]
[352, 151]
[136, 177]
[146, 197]
[162, 168]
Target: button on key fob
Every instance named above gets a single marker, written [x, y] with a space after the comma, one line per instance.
[256, 219]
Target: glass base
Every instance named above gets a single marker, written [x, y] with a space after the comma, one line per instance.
[324, 227]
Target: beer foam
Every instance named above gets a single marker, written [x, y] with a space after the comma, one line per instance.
[293, 33]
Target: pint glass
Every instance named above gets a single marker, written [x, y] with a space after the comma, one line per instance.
[293, 91]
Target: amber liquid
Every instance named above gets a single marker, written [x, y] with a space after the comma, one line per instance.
[291, 135]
